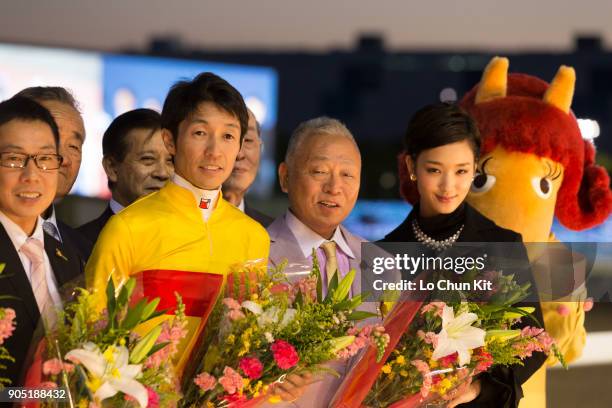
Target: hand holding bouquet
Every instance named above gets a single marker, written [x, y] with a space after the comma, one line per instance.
[278, 329]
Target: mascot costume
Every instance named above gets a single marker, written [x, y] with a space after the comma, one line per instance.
[534, 165]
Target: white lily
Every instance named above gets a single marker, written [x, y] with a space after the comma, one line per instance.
[109, 372]
[458, 335]
[253, 307]
[272, 316]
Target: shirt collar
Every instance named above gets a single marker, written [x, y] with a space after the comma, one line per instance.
[199, 194]
[308, 239]
[241, 205]
[115, 206]
[52, 219]
[17, 235]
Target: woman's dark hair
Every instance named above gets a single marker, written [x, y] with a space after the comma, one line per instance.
[440, 124]
[27, 110]
[185, 97]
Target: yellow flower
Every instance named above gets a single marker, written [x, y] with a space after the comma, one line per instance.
[386, 369]
[275, 399]
[400, 360]
[254, 296]
[404, 373]
[433, 364]
[230, 339]
[83, 403]
[445, 385]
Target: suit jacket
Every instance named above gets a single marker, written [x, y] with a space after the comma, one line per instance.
[92, 229]
[74, 239]
[501, 386]
[284, 245]
[67, 267]
[257, 215]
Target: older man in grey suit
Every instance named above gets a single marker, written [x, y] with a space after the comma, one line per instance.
[321, 175]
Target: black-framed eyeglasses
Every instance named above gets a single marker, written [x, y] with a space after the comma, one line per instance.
[44, 161]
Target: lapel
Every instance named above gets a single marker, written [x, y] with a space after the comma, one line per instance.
[357, 263]
[283, 244]
[16, 278]
[65, 262]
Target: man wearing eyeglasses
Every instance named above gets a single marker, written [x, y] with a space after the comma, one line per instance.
[245, 171]
[34, 265]
[65, 111]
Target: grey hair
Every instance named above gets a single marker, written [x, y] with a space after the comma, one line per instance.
[322, 125]
[50, 93]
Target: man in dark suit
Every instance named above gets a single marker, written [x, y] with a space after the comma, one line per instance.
[65, 111]
[245, 172]
[36, 266]
[136, 163]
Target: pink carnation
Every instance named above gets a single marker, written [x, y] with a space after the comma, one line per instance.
[55, 366]
[284, 354]
[235, 315]
[231, 381]
[251, 367]
[6, 324]
[171, 333]
[205, 381]
[153, 398]
[423, 368]
[435, 307]
[231, 304]
[484, 360]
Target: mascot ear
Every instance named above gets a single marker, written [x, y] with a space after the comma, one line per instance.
[593, 202]
[561, 89]
[494, 82]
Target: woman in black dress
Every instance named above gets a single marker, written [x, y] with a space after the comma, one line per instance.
[438, 168]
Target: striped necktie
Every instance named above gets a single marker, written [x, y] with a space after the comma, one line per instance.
[331, 261]
[33, 249]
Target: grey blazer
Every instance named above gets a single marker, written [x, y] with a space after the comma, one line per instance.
[284, 246]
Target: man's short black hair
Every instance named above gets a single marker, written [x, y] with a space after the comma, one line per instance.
[115, 143]
[185, 97]
[27, 110]
[50, 93]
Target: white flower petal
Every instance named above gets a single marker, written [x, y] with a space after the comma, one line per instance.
[253, 307]
[448, 315]
[130, 370]
[132, 388]
[121, 356]
[464, 356]
[288, 317]
[105, 391]
[92, 360]
[464, 319]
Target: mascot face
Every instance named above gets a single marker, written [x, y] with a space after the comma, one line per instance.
[518, 191]
[534, 163]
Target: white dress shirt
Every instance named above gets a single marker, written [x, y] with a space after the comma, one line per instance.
[200, 194]
[241, 205]
[18, 238]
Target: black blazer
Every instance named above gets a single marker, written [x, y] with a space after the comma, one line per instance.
[67, 267]
[92, 229]
[258, 216]
[502, 385]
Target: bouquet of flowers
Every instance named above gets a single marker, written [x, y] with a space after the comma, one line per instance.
[448, 342]
[99, 358]
[7, 326]
[271, 328]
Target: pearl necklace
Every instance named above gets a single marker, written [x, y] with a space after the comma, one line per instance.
[432, 243]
